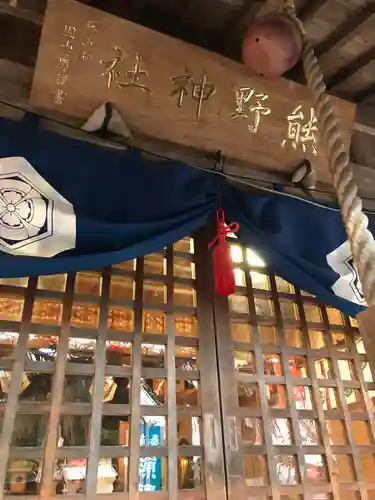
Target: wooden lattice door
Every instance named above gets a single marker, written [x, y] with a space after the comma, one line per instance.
[296, 389]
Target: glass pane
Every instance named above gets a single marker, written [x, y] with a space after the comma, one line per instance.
[298, 366]
[88, 283]
[260, 281]
[112, 475]
[152, 474]
[316, 470]
[153, 322]
[253, 259]
[55, 282]
[120, 319]
[75, 430]
[368, 466]
[263, 307]
[118, 353]
[183, 268]
[154, 292]
[317, 339]
[340, 341]
[14, 281]
[122, 288]
[323, 368]
[283, 286]
[153, 431]
[77, 389]
[155, 263]
[366, 372]
[286, 469]
[337, 432]
[354, 400]
[184, 295]
[309, 430]
[344, 468]
[46, 312]
[85, 315]
[248, 395]
[190, 475]
[293, 337]
[153, 355]
[239, 277]
[8, 342]
[188, 393]
[240, 332]
[236, 253]
[29, 430]
[42, 348]
[329, 398]
[276, 396]
[256, 473]
[268, 335]
[186, 326]
[153, 392]
[185, 245]
[303, 398]
[22, 476]
[252, 431]
[239, 303]
[362, 432]
[189, 430]
[313, 313]
[346, 369]
[187, 358]
[128, 265]
[289, 310]
[281, 431]
[334, 316]
[244, 362]
[272, 364]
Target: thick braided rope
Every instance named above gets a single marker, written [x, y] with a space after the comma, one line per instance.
[360, 238]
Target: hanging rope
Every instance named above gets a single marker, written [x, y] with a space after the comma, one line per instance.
[355, 221]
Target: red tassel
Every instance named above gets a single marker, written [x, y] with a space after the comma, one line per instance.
[225, 283]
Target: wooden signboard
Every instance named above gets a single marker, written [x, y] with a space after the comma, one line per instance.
[167, 89]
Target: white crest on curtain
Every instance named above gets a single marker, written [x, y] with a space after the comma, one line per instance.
[348, 286]
[35, 220]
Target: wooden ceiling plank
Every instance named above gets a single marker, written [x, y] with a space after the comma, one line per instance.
[363, 16]
[350, 69]
[309, 9]
[21, 12]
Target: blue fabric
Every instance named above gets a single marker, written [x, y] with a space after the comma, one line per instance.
[126, 207]
[294, 237]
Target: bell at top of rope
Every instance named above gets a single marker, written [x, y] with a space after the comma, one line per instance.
[225, 283]
[272, 46]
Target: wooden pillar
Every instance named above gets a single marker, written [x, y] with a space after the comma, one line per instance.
[366, 323]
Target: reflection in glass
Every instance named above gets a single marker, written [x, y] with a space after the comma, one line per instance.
[252, 431]
[309, 431]
[239, 303]
[256, 473]
[303, 398]
[345, 468]
[268, 335]
[316, 471]
[336, 432]
[155, 263]
[276, 396]
[244, 361]
[240, 331]
[189, 430]
[281, 431]
[88, 283]
[286, 469]
[248, 395]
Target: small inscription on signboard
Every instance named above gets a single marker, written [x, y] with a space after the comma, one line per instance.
[167, 89]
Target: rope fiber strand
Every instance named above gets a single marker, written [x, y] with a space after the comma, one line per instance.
[360, 238]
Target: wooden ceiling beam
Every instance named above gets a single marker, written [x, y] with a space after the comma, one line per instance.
[350, 69]
[361, 19]
[310, 8]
